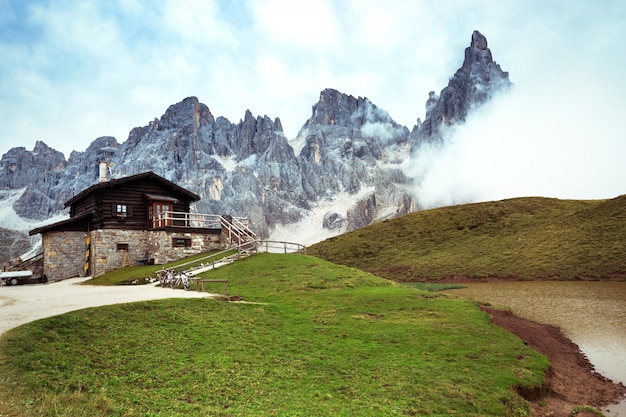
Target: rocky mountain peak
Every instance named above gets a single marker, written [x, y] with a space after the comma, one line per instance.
[345, 114]
[478, 79]
[42, 148]
[20, 167]
[333, 106]
[479, 41]
[347, 146]
[189, 114]
[478, 58]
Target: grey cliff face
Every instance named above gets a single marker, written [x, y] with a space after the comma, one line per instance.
[13, 244]
[351, 146]
[478, 79]
[20, 167]
[348, 147]
[345, 139]
[40, 173]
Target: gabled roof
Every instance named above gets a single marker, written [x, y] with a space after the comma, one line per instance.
[192, 197]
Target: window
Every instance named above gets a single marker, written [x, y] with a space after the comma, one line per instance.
[181, 242]
[122, 247]
[121, 210]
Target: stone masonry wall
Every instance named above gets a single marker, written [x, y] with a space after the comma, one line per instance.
[164, 251]
[64, 254]
[106, 254]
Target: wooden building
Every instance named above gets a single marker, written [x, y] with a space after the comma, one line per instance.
[139, 219]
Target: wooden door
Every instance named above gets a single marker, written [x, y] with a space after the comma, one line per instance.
[160, 214]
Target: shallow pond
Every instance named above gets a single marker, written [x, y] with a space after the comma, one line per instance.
[591, 314]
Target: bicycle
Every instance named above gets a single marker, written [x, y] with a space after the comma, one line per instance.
[181, 278]
[165, 277]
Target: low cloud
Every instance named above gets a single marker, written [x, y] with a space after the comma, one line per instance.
[378, 124]
[531, 141]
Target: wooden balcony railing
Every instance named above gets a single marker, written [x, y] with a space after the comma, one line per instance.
[237, 227]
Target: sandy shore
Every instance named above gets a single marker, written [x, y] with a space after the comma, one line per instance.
[25, 303]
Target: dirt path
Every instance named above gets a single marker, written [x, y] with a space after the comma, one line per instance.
[573, 380]
[25, 303]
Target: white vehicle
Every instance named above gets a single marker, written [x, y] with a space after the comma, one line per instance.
[20, 277]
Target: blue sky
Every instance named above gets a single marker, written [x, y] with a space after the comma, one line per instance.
[72, 71]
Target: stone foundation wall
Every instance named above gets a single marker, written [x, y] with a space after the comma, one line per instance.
[106, 254]
[64, 254]
[164, 250]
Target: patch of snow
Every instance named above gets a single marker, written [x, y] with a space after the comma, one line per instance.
[298, 143]
[310, 230]
[229, 163]
[9, 219]
[250, 162]
[387, 213]
[35, 249]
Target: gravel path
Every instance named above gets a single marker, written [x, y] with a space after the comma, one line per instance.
[25, 303]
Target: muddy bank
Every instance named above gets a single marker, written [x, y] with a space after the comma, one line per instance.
[572, 381]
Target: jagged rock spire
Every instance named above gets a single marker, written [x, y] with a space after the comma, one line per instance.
[478, 79]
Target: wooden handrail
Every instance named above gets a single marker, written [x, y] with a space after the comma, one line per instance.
[275, 246]
[201, 220]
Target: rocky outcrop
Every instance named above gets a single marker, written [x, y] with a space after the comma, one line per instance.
[478, 79]
[13, 244]
[350, 146]
[344, 140]
[19, 167]
[40, 172]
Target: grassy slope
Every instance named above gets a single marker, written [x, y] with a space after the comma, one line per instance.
[141, 274]
[522, 238]
[322, 339]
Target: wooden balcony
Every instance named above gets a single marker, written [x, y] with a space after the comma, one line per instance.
[236, 227]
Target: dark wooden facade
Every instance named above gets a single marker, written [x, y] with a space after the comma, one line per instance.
[129, 203]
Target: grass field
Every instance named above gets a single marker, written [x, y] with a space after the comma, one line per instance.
[313, 339]
[522, 238]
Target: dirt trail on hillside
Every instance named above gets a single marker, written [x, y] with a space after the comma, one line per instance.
[573, 380]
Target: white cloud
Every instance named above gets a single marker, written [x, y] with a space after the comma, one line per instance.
[76, 70]
[302, 24]
[547, 139]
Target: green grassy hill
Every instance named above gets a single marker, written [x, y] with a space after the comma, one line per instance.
[521, 238]
[313, 339]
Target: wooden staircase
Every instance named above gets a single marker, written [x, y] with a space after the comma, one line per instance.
[34, 264]
[236, 231]
[29, 270]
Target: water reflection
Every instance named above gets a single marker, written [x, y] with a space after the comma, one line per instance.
[591, 314]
